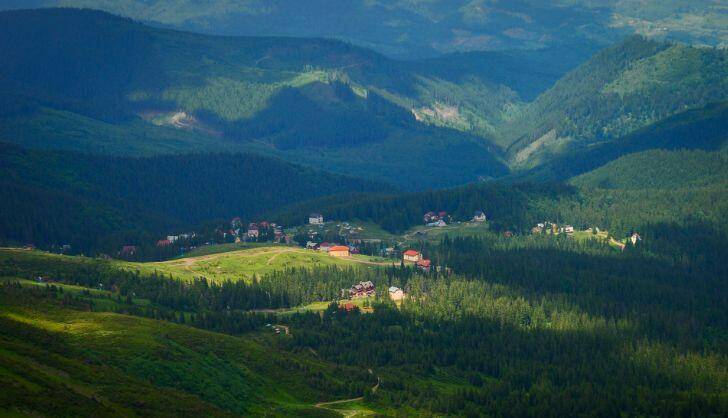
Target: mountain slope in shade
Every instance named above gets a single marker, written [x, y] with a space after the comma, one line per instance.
[94, 202]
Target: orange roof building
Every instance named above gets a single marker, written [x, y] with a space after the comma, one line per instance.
[412, 256]
[339, 251]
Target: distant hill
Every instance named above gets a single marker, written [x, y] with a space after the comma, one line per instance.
[702, 129]
[621, 89]
[660, 169]
[424, 28]
[318, 102]
[97, 203]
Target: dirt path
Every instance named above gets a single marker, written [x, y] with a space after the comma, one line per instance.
[326, 405]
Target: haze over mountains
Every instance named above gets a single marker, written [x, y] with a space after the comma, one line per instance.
[424, 28]
[328, 104]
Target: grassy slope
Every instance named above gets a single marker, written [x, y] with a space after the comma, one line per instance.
[244, 264]
[53, 358]
[237, 264]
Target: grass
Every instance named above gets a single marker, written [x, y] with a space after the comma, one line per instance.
[244, 264]
[53, 358]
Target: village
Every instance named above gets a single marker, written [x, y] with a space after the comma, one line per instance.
[345, 239]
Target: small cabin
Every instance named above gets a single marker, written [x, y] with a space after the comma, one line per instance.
[316, 219]
[396, 294]
[339, 251]
[412, 256]
[479, 216]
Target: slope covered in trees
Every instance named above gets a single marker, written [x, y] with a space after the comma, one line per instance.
[96, 203]
[698, 129]
[619, 90]
[317, 102]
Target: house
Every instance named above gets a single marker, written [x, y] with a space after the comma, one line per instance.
[264, 225]
[396, 293]
[253, 231]
[479, 216]
[339, 251]
[325, 247]
[310, 245]
[424, 265]
[635, 238]
[362, 290]
[164, 243]
[348, 307]
[172, 238]
[567, 229]
[316, 219]
[412, 256]
[128, 250]
[442, 214]
[536, 230]
[236, 223]
[438, 224]
[430, 217]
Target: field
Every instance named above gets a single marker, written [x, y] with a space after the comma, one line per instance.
[244, 264]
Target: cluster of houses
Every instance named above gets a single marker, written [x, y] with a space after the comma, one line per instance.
[552, 228]
[171, 239]
[255, 231]
[367, 289]
[334, 250]
[441, 219]
[362, 290]
[436, 219]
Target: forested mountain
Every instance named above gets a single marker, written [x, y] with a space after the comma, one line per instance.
[702, 129]
[660, 169]
[423, 28]
[98, 203]
[619, 90]
[312, 101]
[627, 194]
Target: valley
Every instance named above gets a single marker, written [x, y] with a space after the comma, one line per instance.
[405, 208]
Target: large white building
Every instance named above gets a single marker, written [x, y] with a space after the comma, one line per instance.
[316, 219]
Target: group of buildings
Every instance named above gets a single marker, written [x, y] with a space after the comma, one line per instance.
[367, 289]
[441, 218]
[552, 228]
[415, 257]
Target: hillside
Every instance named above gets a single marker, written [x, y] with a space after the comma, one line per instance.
[57, 356]
[121, 87]
[245, 264]
[423, 28]
[96, 203]
[658, 169]
[702, 129]
[619, 90]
